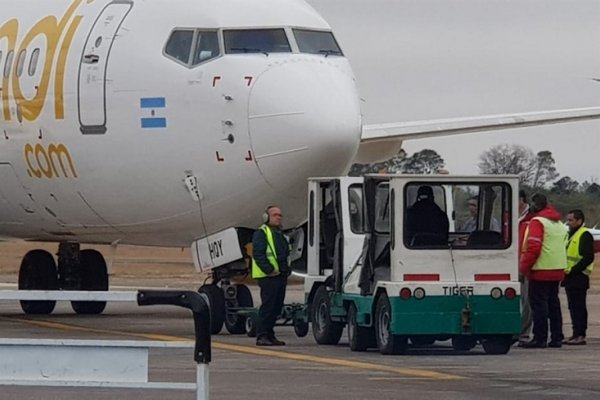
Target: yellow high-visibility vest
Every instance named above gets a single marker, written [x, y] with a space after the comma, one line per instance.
[257, 272]
[573, 256]
[554, 253]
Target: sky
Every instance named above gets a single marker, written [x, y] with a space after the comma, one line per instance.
[428, 59]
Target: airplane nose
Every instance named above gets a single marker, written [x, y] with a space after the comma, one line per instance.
[304, 120]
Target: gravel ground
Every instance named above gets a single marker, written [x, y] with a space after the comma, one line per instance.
[139, 266]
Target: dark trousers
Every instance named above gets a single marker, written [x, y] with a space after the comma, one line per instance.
[272, 295]
[543, 297]
[578, 310]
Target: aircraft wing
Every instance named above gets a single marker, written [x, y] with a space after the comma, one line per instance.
[380, 140]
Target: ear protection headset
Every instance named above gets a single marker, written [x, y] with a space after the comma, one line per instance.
[265, 216]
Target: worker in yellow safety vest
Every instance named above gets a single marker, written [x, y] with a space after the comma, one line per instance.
[542, 262]
[270, 267]
[580, 263]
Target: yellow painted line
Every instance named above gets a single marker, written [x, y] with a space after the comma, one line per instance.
[337, 362]
[391, 378]
[48, 324]
[75, 328]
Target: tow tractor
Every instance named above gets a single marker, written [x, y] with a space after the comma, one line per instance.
[232, 305]
[392, 280]
[225, 256]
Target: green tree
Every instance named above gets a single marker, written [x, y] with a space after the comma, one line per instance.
[544, 170]
[577, 198]
[593, 189]
[373, 168]
[565, 185]
[426, 161]
[510, 159]
[396, 163]
[534, 171]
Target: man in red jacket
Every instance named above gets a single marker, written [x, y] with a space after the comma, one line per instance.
[543, 260]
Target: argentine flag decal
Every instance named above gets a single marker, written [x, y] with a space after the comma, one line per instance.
[150, 107]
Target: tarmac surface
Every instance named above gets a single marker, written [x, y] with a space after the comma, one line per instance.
[302, 369]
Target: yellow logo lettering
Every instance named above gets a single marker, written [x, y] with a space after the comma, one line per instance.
[8, 31]
[43, 162]
[52, 31]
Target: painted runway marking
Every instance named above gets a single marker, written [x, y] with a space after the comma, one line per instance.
[337, 362]
[418, 373]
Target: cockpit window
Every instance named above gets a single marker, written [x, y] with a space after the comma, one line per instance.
[179, 45]
[317, 42]
[207, 46]
[256, 41]
[193, 46]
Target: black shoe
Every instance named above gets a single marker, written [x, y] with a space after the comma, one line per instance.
[534, 344]
[565, 341]
[576, 341]
[277, 342]
[555, 344]
[264, 342]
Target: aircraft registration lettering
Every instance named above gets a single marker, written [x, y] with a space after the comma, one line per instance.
[215, 249]
[58, 36]
[52, 162]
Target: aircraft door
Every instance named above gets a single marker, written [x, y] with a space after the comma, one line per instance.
[338, 263]
[93, 66]
[331, 252]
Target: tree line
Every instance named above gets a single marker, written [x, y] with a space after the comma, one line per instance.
[537, 173]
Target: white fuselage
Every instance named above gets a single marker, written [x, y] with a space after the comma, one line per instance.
[96, 142]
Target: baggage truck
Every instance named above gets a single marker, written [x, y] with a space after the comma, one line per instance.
[381, 268]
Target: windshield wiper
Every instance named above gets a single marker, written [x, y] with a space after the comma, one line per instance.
[330, 52]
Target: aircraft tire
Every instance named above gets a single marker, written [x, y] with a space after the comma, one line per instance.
[216, 302]
[387, 342]
[325, 331]
[38, 272]
[360, 338]
[94, 276]
[234, 322]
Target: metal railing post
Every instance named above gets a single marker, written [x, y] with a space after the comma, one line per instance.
[201, 311]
